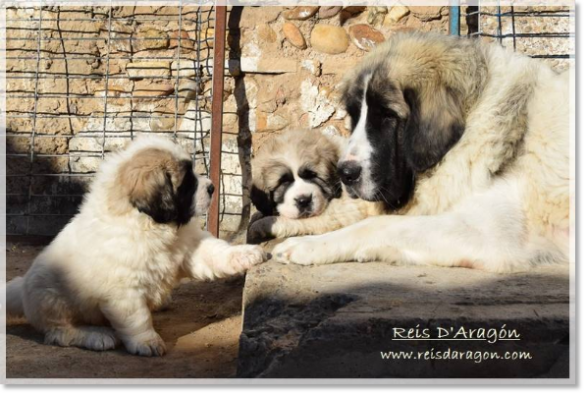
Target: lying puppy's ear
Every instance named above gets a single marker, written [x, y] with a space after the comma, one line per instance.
[435, 124]
[337, 187]
[147, 181]
[333, 179]
[262, 201]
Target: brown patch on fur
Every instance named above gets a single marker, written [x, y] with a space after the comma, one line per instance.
[144, 176]
[468, 264]
[146, 171]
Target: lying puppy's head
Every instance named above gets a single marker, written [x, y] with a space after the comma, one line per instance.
[294, 174]
[155, 176]
[407, 104]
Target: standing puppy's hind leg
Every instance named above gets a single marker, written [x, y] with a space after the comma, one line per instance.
[95, 338]
[132, 321]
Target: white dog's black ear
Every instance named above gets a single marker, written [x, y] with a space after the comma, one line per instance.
[262, 201]
[435, 124]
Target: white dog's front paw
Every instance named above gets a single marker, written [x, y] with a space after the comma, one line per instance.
[242, 257]
[298, 250]
[146, 345]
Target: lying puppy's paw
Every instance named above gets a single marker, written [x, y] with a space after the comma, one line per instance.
[261, 230]
[240, 258]
[298, 250]
[255, 217]
[147, 345]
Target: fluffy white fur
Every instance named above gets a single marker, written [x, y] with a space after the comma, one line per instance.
[113, 265]
[500, 198]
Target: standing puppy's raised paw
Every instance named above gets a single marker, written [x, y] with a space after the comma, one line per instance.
[240, 258]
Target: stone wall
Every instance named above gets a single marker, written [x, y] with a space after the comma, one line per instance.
[284, 65]
[289, 61]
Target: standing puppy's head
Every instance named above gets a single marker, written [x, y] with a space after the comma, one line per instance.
[294, 174]
[407, 106]
[157, 179]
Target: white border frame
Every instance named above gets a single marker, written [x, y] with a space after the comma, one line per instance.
[204, 381]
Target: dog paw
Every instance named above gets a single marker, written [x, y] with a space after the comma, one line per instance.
[260, 230]
[90, 337]
[101, 340]
[243, 257]
[150, 345]
[297, 250]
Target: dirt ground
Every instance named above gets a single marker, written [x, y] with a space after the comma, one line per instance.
[201, 328]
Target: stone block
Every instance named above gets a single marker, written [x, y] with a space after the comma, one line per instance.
[262, 65]
[146, 89]
[139, 70]
[338, 66]
[334, 321]
[185, 68]
[148, 37]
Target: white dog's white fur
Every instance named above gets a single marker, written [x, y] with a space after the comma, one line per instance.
[500, 198]
[113, 264]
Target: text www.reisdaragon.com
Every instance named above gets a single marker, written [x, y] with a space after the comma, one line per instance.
[454, 355]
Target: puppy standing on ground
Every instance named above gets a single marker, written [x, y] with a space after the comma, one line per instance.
[119, 258]
[297, 190]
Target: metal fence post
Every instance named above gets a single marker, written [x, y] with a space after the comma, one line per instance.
[217, 109]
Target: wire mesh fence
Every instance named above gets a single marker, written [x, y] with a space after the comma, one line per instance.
[544, 32]
[82, 82]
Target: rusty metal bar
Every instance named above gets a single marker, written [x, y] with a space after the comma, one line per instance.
[217, 110]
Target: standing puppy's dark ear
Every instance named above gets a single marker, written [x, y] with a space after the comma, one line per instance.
[147, 182]
[262, 201]
[435, 124]
[160, 203]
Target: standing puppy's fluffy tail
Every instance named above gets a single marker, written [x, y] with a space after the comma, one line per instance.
[14, 289]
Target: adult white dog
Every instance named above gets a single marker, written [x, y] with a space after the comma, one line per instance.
[119, 258]
[468, 143]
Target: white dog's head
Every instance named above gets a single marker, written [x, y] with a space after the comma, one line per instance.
[155, 176]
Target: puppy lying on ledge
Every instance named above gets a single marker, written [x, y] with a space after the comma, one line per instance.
[296, 188]
[133, 239]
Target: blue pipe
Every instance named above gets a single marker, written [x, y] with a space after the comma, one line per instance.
[454, 20]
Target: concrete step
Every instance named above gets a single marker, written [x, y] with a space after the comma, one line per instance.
[334, 321]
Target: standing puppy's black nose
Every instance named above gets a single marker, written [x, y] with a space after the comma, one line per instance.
[303, 201]
[349, 171]
[211, 189]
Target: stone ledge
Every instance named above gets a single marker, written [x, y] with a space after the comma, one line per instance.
[261, 65]
[334, 320]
